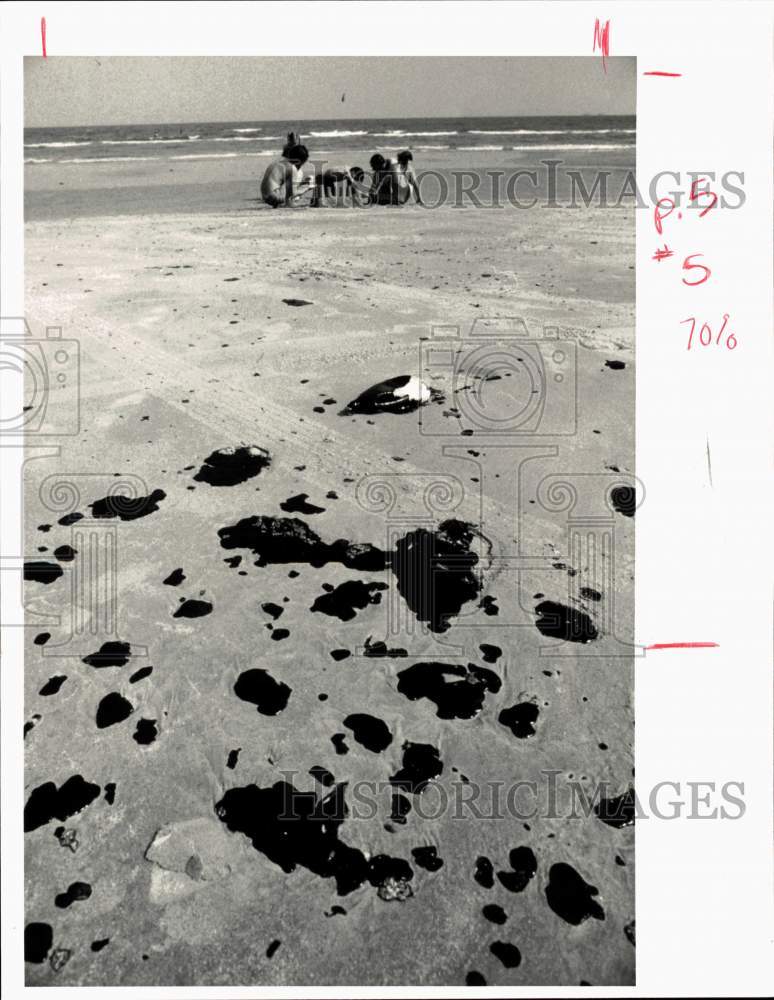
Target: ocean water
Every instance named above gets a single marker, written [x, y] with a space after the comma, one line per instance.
[227, 140]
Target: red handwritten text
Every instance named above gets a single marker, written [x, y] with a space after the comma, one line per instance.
[695, 194]
[602, 41]
[705, 333]
[698, 273]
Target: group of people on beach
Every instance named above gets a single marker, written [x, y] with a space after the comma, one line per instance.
[391, 182]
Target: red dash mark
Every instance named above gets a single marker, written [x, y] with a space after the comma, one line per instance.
[658, 72]
[682, 645]
[602, 41]
[43, 35]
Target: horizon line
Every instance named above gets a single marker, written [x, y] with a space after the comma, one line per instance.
[379, 118]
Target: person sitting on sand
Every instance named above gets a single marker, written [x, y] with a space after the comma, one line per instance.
[342, 182]
[283, 182]
[406, 179]
[394, 181]
[383, 180]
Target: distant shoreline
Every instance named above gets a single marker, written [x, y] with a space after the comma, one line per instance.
[306, 121]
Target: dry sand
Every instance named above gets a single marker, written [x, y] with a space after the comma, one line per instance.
[187, 347]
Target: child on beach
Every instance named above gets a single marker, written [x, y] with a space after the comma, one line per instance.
[406, 178]
[394, 181]
[344, 183]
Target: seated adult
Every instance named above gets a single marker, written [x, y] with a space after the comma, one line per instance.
[283, 183]
[384, 187]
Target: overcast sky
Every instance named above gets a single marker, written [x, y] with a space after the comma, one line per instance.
[66, 90]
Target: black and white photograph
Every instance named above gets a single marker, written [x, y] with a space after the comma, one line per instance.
[348, 671]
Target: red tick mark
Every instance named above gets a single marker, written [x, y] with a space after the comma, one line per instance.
[43, 35]
[602, 41]
[682, 645]
[659, 72]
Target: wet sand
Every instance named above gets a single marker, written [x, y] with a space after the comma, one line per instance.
[190, 343]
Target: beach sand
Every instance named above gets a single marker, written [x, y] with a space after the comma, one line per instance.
[175, 292]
